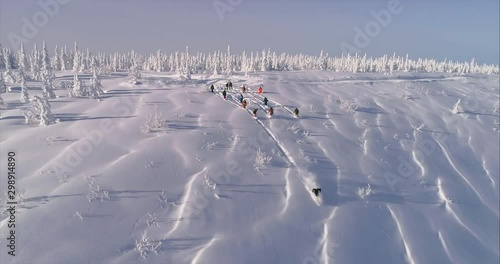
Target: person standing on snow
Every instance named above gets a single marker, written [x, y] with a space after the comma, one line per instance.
[212, 88]
[240, 97]
[255, 112]
[265, 100]
[230, 85]
[224, 94]
[243, 89]
[296, 112]
[271, 111]
[244, 104]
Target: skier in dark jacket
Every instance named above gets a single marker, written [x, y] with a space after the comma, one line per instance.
[240, 97]
[224, 94]
[271, 111]
[230, 85]
[255, 112]
[265, 100]
[212, 88]
[296, 112]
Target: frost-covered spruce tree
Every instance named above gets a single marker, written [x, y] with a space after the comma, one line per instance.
[8, 60]
[2, 60]
[135, 75]
[63, 58]
[159, 61]
[23, 60]
[95, 89]
[3, 89]
[76, 59]
[215, 65]
[87, 60]
[114, 64]
[24, 89]
[35, 64]
[458, 108]
[47, 75]
[56, 61]
[187, 65]
[229, 63]
[42, 108]
[79, 89]
[263, 62]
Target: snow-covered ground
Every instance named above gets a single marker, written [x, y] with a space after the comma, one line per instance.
[403, 178]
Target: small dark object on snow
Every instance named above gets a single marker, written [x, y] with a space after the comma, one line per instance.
[224, 94]
[265, 100]
[255, 112]
[212, 88]
[316, 191]
[296, 111]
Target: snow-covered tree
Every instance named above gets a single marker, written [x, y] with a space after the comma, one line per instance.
[35, 64]
[264, 62]
[135, 75]
[95, 88]
[24, 89]
[87, 60]
[2, 89]
[56, 61]
[47, 75]
[261, 160]
[229, 63]
[159, 61]
[79, 89]
[458, 108]
[23, 59]
[187, 65]
[8, 59]
[64, 59]
[40, 112]
[76, 59]
[2, 58]
[155, 122]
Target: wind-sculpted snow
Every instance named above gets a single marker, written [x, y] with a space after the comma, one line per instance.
[403, 178]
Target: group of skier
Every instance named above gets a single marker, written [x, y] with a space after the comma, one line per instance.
[229, 86]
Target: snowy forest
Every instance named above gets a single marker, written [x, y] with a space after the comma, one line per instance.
[37, 63]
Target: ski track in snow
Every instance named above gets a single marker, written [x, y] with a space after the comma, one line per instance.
[281, 148]
[323, 243]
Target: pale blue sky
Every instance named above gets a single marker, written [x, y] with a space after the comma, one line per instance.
[452, 29]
